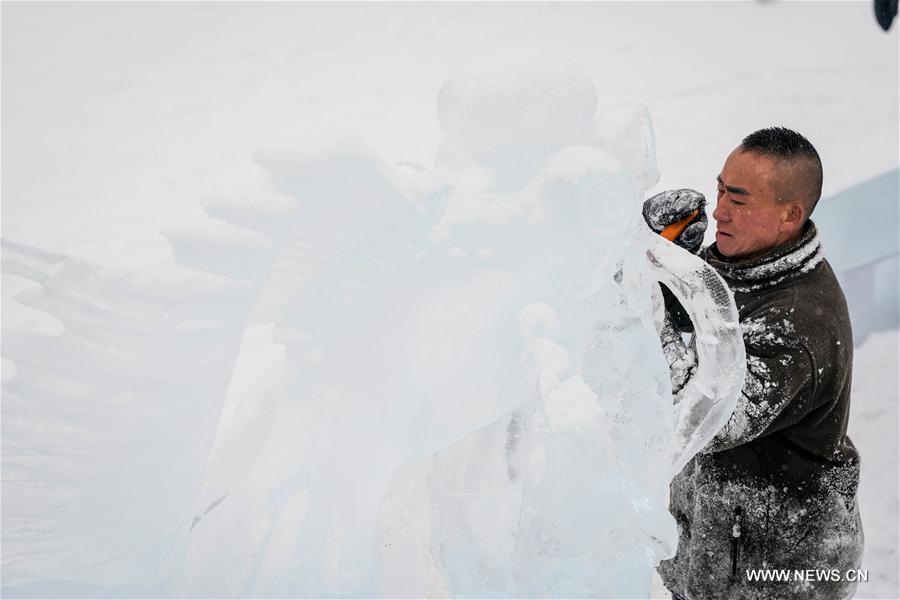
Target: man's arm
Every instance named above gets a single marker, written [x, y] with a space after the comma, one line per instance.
[781, 378]
[778, 392]
[675, 311]
[681, 356]
[660, 211]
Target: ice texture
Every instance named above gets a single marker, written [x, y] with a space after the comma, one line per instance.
[464, 391]
[566, 493]
[109, 415]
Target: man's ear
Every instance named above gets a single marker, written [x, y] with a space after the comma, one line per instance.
[796, 214]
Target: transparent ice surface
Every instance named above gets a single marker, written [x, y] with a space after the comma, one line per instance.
[464, 392]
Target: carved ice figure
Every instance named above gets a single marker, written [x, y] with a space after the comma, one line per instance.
[566, 494]
[493, 317]
[111, 392]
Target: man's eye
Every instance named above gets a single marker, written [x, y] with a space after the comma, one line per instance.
[738, 203]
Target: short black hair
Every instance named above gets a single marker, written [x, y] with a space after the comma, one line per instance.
[789, 146]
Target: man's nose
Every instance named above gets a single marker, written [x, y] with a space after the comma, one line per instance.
[720, 214]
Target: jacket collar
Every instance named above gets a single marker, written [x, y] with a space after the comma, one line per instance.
[783, 263]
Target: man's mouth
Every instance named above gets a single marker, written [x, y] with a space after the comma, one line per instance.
[722, 233]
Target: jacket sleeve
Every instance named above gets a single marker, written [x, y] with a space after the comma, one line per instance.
[675, 312]
[779, 387]
[680, 355]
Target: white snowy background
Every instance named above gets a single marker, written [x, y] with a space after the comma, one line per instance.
[118, 117]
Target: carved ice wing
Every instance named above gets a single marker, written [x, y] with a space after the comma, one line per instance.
[710, 396]
[107, 421]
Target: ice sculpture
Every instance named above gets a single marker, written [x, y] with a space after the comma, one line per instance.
[487, 325]
[565, 495]
[109, 414]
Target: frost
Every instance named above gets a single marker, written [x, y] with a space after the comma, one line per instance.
[775, 269]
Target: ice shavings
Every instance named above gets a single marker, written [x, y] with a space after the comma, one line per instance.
[801, 257]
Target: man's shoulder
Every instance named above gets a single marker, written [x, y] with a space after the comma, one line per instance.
[810, 306]
[821, 286]
[820, 308]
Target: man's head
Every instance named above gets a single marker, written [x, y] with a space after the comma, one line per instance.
[767, 189]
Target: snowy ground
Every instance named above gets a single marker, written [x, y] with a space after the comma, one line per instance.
[873, 428]
[118, 117]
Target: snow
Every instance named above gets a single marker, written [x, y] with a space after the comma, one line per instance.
[172, 99]
[874, 430]
[480, 108]
[120, 119]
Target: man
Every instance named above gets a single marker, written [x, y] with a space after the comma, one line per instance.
[776, 487]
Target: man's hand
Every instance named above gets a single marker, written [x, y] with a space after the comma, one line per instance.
[672, 206]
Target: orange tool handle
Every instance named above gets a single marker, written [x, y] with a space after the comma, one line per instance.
[674, 230]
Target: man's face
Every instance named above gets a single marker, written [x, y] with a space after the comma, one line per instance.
[749, 219]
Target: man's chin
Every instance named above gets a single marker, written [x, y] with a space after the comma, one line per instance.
[724, 243]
